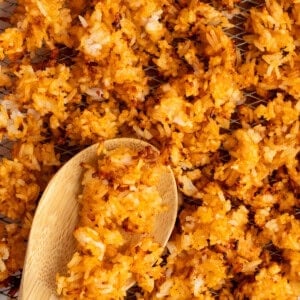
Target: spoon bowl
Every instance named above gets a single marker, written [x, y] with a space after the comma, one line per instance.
[51, 243]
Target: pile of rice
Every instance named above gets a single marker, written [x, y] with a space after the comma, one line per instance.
[225, 118]
[119, 202]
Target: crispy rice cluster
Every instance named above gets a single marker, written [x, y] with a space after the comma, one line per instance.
[119, 204]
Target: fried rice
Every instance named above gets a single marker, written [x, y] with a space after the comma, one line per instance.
[224, 117]
[119, 202]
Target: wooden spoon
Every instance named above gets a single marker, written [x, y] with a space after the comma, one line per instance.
[51, 243]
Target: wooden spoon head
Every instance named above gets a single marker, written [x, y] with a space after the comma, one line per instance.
[51, 243]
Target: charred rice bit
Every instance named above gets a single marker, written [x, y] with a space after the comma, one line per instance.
[119, 197]
[226, 120]
[18, 189]
[274, 47]
[13, 246]
[42, 22]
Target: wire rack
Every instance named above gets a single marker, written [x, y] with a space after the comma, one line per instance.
[6, 9]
